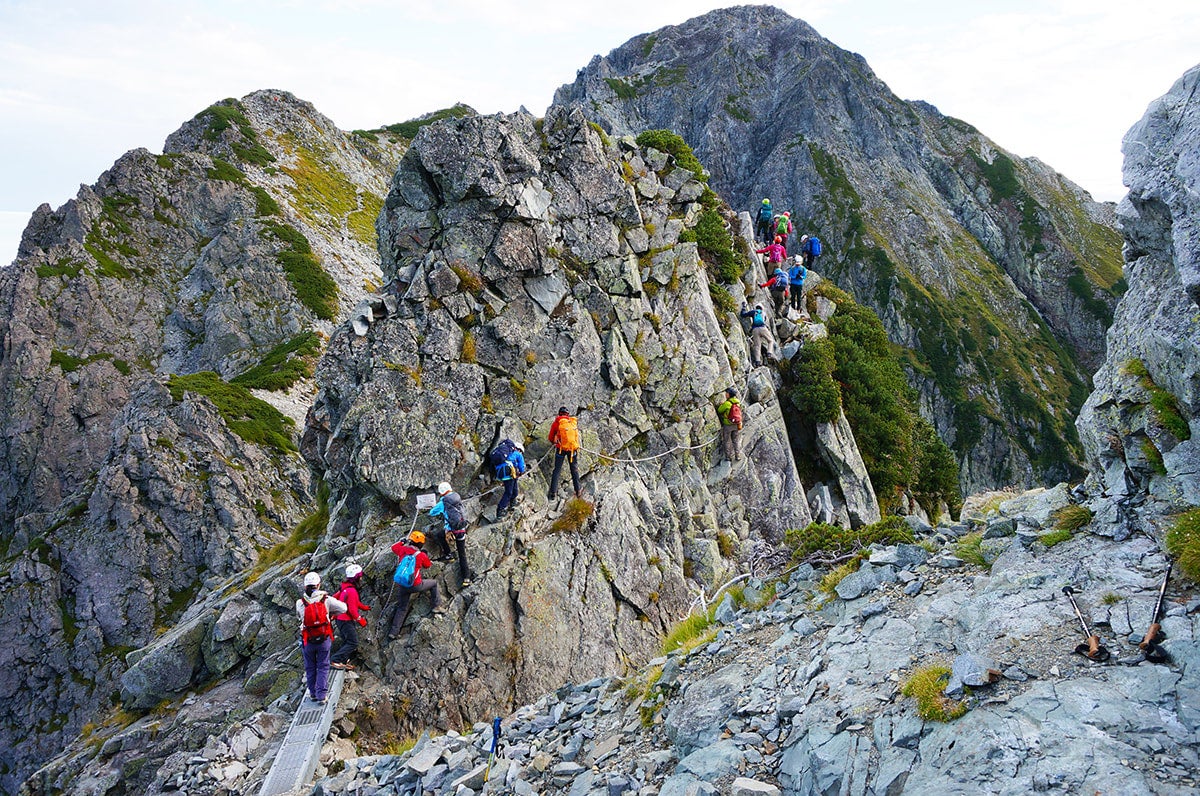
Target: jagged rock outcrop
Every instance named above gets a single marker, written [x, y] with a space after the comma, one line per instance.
[540, 265]
[126, 493]
[996, 273]
[1139, 426]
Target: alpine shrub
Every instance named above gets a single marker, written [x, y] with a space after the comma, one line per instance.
[671, 143]
[1183, 542]
[926, 686]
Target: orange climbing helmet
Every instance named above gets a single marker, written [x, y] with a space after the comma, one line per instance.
[778, 239]
[417, 537]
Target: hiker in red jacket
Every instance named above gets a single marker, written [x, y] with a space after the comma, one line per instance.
[564, 433]
[413, 546]
[349, 621]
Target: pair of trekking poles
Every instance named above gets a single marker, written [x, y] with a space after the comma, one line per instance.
[1150, 647]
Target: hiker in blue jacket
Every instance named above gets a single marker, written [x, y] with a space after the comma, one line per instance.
[810, 247]
[762, 226]
[450, 508]
[512, 468]
[796, 276]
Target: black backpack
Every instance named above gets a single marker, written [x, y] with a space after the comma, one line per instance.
[500, 453]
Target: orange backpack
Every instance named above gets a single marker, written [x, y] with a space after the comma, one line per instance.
[568, 434]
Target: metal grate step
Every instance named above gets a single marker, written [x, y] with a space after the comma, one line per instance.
[300, 751]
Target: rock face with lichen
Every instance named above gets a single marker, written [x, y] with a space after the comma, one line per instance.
[1139, 424]
[137, 472]
[995, 274]
[540, 264]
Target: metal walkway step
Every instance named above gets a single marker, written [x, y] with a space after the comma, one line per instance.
[300, 751]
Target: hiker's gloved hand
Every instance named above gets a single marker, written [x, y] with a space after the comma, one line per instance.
[362, 621]
[362, 607]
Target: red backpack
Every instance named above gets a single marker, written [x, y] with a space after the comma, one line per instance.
[735, 413]
[316, 622]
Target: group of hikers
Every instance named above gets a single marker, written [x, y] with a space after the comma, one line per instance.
[319, 610]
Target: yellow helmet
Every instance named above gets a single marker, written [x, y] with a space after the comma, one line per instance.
[417, 537]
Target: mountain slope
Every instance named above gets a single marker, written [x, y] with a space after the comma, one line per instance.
[136, 470]
[995, 274]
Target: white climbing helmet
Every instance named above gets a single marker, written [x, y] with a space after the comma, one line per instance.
[312, 579]
[444, 488]
[353, 570]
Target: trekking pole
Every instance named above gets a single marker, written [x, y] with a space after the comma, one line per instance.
[1150, 646]
[1091, 648]
[495, 742]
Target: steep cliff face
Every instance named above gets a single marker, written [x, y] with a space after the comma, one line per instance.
[1139, 424]
[137, 471]
[540, 264]
[996, 274]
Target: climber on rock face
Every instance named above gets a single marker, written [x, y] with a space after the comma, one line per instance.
[796, 276]
[564, 434]
[450, 508]
[760, 335]
[810, 248]
[783, 226]
[508, 471]
[762, 225]
[730, 413]
[408, 581]
[775, 251]
[778, 284]
[315, 607]
[349, 621]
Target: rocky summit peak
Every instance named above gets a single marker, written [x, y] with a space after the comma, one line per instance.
[997, 275]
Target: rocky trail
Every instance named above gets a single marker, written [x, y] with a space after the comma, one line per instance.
[804, 694]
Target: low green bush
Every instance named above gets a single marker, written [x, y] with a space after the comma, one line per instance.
[970, 549]
[688, 633]
[574, 514]
[818, 537]
[1183, 543]
[1165, 406]
[1055, 537]
[673, 144]
[284, 365]
[926, 685]
[251, 419]
[1071, 518]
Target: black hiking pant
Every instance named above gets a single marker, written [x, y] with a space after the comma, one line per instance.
[797, 294]
[762, 230]
[559, 458]
[402, 595]
[348, 633]
[460, 544]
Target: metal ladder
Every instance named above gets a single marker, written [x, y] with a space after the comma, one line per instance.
[300, 751]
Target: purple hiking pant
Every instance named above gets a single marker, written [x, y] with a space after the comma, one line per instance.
[316, 667]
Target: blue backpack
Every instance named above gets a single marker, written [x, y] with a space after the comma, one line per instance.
[498, 457]
[406, 571]
[813, 246]
[757, 319]
[765, 214]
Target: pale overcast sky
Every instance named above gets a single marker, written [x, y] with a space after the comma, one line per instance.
[81, 83]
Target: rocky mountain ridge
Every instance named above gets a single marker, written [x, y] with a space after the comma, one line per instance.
[995, 274]
[525, 263]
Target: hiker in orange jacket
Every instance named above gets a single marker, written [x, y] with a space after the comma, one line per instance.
[564, 434]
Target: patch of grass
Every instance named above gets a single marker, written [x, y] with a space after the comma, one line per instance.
[1055, 537]
[64, 267]
[410, 128]
[623, 90]
[1071, 518]
[818, 538]
[830, 580]
[284, 365]
[1154, 456]
[362, 221]
[397, 746]
[1164, 404]
[926, 685]
[302, 541]
[468, 280]
[727, 544]
[1183, 543]
[253, 420]
[314, 287]
[970, 549]
[673, 144]
[688, 633]
[722, 260]
[574, 514]
[231, 113]
[468, 347]
[226, 172]
[1111, 598]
